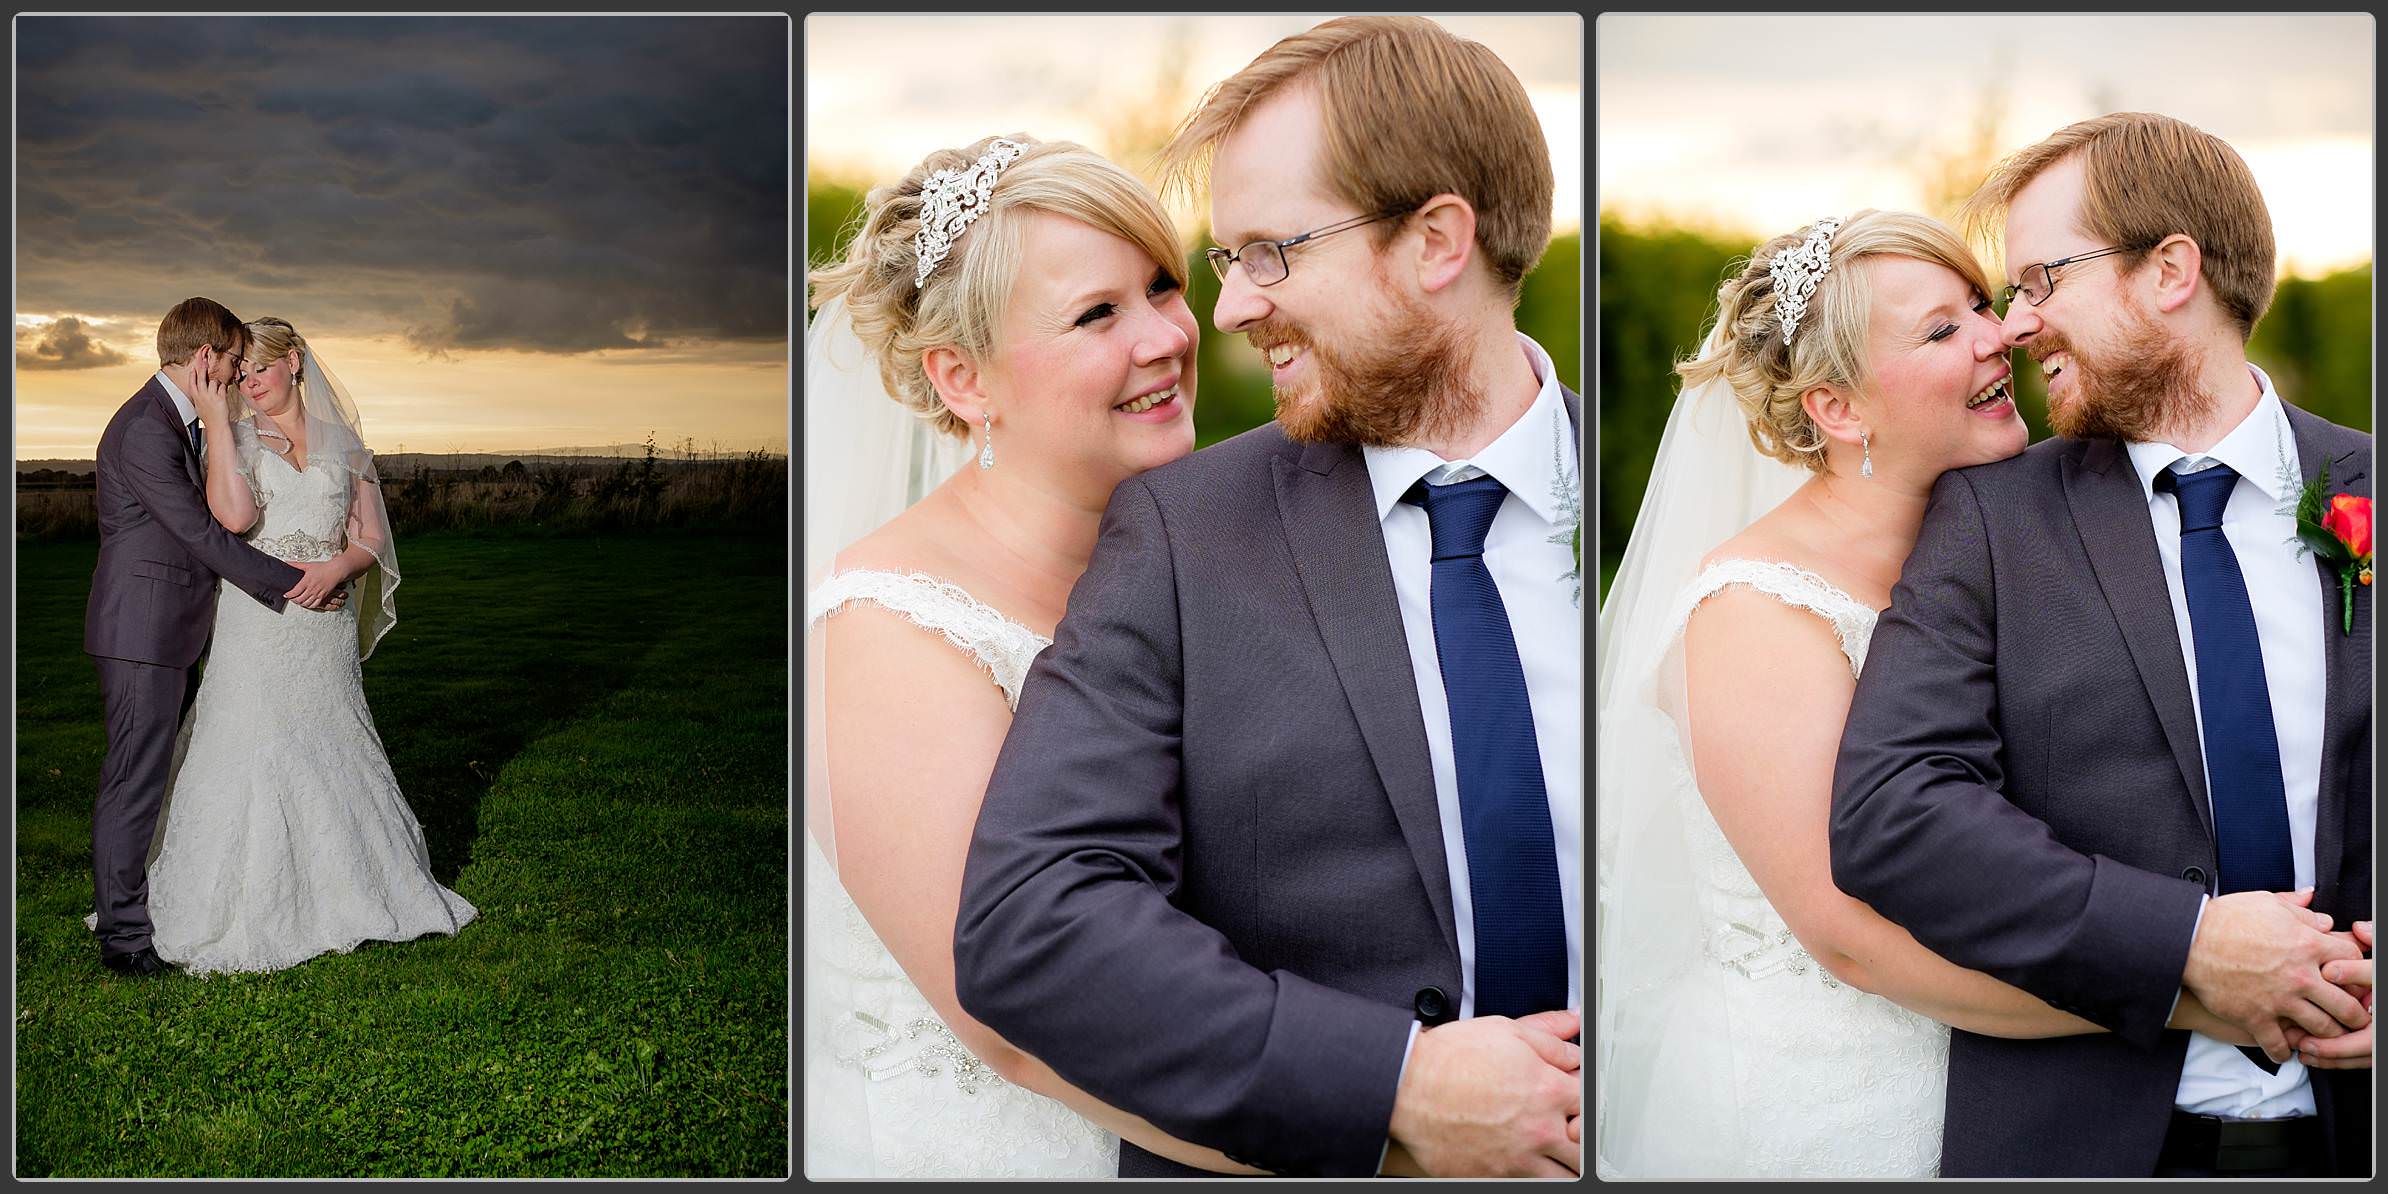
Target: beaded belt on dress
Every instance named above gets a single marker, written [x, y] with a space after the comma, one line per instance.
[1756, 953]
[969, 1071]
[298, 545]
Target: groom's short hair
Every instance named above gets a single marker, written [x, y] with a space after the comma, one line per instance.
[195, 323]
[1411, 111]
[2147, 177]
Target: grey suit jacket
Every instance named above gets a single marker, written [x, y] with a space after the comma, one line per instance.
[1207, 884]
[2020, 786]
[153, 594]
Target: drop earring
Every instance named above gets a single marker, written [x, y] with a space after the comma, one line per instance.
[1865, 439]
[986, 455]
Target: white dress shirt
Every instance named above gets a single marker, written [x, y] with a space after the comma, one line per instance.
[2285, 591]
[182, 404]
[1528, 553]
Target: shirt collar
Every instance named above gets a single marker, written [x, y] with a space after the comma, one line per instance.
[182, 405]
[2257, 449]
[1522, 458]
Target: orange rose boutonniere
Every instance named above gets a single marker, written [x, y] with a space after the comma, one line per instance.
[2339, 531]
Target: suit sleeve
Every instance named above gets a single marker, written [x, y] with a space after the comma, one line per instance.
[1922, 831]
[1067, 944]
[151, 468]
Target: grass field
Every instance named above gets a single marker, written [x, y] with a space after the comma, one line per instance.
[594, 735]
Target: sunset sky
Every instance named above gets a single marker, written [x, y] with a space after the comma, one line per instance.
[1759, 123]
[502, 234]
[1113, 81]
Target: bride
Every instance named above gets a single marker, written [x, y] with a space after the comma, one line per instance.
[284, 834]
[1023, 303]
[1754, 1020]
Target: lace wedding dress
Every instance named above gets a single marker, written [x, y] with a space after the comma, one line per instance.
[889, 1089]
[284, 834]
[1749, 1060]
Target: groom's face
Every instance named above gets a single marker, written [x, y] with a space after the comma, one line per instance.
[2117, 371]
[223, 366]
[1349, 343]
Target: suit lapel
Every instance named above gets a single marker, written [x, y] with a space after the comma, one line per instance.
[2110, 512]
[1329, 514]
[163, 403]
[2346, 655]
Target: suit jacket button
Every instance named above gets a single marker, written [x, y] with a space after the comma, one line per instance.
[1432, 1007]
[2195, 874]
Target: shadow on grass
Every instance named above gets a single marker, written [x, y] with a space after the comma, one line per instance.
[619, 1008]
[497, 641]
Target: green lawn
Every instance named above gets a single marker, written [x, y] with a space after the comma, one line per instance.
[594, 735]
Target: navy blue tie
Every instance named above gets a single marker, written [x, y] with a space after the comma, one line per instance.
[2251, 828]
[193, 428]
[1504, 810]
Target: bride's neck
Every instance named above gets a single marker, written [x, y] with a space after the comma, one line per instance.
[1875, 519]
[1028, 534]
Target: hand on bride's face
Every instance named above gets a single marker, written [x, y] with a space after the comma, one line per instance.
[1094, 368]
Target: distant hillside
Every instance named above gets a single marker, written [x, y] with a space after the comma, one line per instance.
[409, 461]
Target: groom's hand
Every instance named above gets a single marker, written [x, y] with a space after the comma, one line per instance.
[1491, 1097]
[2257, 961]
[321, 586]
[2352, 1051]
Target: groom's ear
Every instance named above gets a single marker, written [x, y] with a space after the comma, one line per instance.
[957, 380]
[2174, 265]
[1833, 413]
[1448, 241]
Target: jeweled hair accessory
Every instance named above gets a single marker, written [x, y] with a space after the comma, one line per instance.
[950, 199]
[1796, 272]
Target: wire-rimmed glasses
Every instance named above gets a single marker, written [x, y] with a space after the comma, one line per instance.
[1264, 260]
[2039, 280]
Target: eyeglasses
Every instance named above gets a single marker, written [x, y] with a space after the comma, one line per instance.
[1264, 260]
[2039, 281]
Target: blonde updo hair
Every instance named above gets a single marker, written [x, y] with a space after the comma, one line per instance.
[1746, 347]
[962, 303]
[269, 338]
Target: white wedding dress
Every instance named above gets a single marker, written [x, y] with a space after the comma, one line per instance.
[284, 834]
[889, 1090]
[1746, 1059]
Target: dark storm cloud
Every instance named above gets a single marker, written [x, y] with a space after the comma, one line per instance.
[64, 343]
[554, 185]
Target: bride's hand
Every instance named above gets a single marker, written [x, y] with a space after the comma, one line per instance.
[319, 588]
[208, 395]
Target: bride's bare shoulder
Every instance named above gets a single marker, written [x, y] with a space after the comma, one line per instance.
[903, 544]
[1776, 537]
[884, 645]
[1742, 619]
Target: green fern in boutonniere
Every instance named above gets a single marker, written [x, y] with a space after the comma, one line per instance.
[1569, 495]
[2338, 530]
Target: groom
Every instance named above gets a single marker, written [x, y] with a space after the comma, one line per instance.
[2110, 712]
[152, 607]
[1283, 852]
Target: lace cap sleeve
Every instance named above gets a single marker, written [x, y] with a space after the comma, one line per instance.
[245, 449]
[1852, 620]
[1001, 647]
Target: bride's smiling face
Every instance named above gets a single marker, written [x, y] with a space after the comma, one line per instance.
[1093, 369]
[267, 383]
[1935, 350]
